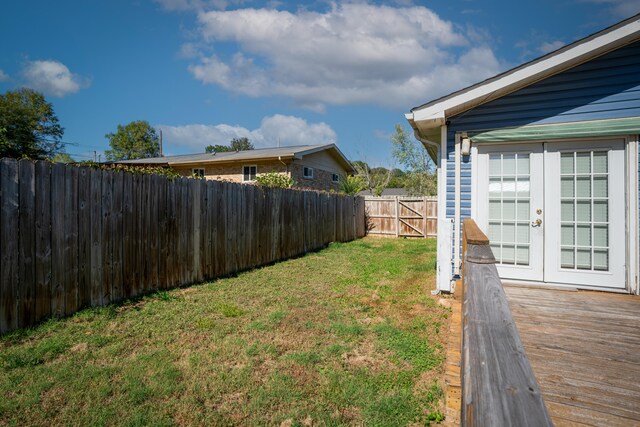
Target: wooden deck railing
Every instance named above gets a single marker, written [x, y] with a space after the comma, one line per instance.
[498, 384]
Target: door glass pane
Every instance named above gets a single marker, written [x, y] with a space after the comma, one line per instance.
[509, 232]
[523, 210]
[601, 236]
[509, 210]
[566, 163]
[522, 187]
[600, 162]
[584, 227]
[583, 162]
[523, 164]
[495, 234]
[583, 210]
[495, 186]
[522, 232]
[567, 210]
[509, 207]
[583, 186]
[508, 254]
[566, 186]
[495, 209]
[522, 255]
[601, 260]
[495, 165]
[584, 235]
[583, 259]
[567, 258]
[600, 186]
[509, 164]
[567, 237]
[508, 187]
[600, 211]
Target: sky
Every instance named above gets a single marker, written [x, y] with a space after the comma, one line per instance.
[280, 73]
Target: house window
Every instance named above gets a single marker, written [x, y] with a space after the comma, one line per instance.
[249, 173]
[198, 172]
[335, 177]
[307, 172]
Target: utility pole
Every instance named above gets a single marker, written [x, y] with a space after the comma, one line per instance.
[160, 129]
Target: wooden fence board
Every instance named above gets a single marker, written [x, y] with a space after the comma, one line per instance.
[128, 247]
[117, 242]
[9, 262]
[58, 295]
[84, 236]
[70, 240]
[43, 241]
[72, 237]
[96, 237]
[107, 236]
[26, 244]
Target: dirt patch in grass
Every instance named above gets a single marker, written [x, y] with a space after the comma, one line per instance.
[346, 336]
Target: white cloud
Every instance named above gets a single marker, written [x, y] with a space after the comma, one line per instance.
[547, 47]
[287, 130]
[3, 76]
[53, 78]
[354, 53]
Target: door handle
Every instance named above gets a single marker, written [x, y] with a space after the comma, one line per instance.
[536, 223]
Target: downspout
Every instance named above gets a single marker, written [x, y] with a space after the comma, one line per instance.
[285, 165]
[456, 262]
[443, 273]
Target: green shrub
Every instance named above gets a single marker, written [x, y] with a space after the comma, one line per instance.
[275, 179]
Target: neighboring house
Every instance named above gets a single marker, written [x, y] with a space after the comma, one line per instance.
[544, 157]
[317, 167]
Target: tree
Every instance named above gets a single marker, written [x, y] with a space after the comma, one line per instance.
[28, 126]
[236, 144]
[137, 140]
[374, 180]
[62, 158]
[241, 144]
[351, 185]
[217, 148]
[420, 179]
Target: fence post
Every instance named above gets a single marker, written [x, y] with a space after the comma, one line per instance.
[397, 221]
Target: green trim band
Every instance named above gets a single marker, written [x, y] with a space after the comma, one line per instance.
[610, 127]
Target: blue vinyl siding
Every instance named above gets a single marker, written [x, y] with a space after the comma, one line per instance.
[603, 88]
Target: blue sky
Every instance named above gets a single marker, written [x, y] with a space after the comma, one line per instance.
[206, 71]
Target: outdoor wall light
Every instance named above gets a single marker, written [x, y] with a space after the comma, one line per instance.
[466, 146]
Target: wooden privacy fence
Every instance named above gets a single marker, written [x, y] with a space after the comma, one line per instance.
[498, 384]
[73, 237]
[402, 216]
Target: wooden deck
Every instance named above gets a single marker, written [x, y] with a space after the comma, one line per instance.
[584, 348]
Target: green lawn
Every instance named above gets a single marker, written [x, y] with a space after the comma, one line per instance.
[349, 335]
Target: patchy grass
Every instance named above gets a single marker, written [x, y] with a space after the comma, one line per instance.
[346, 336]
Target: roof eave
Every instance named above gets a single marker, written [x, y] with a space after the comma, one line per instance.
[428, 115]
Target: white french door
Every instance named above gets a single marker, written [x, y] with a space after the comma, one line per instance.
[553, 210]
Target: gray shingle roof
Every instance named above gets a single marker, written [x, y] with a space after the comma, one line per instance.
[297, 151]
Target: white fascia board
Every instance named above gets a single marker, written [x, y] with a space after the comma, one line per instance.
[527, 74]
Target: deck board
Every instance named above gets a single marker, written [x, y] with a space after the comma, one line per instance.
[584, 348]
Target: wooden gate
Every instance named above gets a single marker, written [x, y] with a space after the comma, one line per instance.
[402, 216]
